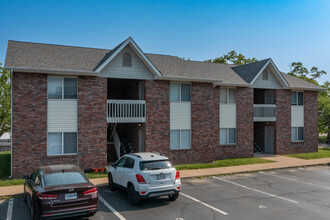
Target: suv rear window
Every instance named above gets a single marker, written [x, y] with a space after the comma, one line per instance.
[155, 165]
[57, 179]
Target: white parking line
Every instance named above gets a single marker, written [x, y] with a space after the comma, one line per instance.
[314, 171]
[246, 187]
[203, 203]
[10, 209]
[111, 208]
[294, 180]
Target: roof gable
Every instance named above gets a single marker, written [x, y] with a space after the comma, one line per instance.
[111, 55]
[270, 83]
[116, 69]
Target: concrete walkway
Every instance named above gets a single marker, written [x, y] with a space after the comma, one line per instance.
[280, 162]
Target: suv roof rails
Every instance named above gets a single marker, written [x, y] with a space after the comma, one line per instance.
[158, 153]
[135, 155]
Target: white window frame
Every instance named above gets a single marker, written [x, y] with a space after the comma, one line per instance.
[62, 143]
[227, 96]
[181, 148]
[180, 83]
[296, 92]
[62, 87]
[227, 134]
[297, 134]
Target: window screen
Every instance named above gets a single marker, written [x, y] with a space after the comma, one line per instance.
[293, 134]
[185, 92]
[54, 87]
[175, 92]
[232, 95]
[70, 88]
[293, 98]
[185, 139]
[300, 134]
[300, 98]
[54, 143]
[223, 95]
[223, 136]
[175, 139]
[232, 136]
[70, 143]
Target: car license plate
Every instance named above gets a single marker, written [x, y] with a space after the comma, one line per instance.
[160, 176]
[69, 196]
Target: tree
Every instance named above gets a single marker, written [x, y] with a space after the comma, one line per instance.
[297, 69]
[233, 58]
[5, 101]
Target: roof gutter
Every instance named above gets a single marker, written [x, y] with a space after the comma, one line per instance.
[216, 82]
[52, 71]
[307, 89]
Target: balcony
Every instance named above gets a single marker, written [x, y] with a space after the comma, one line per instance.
[126, 111]
[264, 112]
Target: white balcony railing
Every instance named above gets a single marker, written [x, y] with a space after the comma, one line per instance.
[264, 112]
[126, 111]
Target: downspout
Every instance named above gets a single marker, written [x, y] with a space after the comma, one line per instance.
[11, 123]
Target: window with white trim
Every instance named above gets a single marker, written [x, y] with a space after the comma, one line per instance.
[60, 143]
[180, 139]
[297, 134]
[297, 98]
[179, 92]
[227, 136]
[227, 96]
[62, 87]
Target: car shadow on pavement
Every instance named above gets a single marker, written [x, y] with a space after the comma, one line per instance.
[119, 201]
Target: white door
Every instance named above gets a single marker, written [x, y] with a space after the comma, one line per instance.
[269, 139]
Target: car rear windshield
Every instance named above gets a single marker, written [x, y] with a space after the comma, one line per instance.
[65, 178]
[155, 165]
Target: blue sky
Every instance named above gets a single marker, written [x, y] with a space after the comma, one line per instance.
[286, 31]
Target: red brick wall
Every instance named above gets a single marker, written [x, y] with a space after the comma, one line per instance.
[283, 123]
[92, 124]
[204, 127]
[244, 128]
[30, 123]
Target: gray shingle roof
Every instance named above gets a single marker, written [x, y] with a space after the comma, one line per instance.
[70, 58]
[50, 56]
[295, 82]
[172, 66]
[249, 71]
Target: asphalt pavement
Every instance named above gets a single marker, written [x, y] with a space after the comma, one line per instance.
[301, 193]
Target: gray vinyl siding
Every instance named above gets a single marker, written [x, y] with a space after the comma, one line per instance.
[138, 70]
[62, 116]
[271, 83]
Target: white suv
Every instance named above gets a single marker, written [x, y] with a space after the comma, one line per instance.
[145, 175]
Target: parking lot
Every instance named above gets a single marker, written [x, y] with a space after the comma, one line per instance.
[302, 193]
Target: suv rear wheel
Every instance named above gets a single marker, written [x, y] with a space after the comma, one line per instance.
[132, 195]
[173, 197]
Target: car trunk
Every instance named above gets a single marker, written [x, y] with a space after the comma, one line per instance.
[160, 177]
[69, 196]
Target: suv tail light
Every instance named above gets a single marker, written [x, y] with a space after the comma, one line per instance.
[177, 176]
[140, 179]
[91, 191]
[46, 196]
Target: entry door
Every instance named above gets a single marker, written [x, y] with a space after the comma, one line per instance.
[269, 139]
[141, 139]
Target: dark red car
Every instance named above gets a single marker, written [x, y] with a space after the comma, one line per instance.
[60, 191]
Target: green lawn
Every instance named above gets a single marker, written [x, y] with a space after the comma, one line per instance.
[322, 153]
[96, 175]
[223, 163]
[322, 139]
